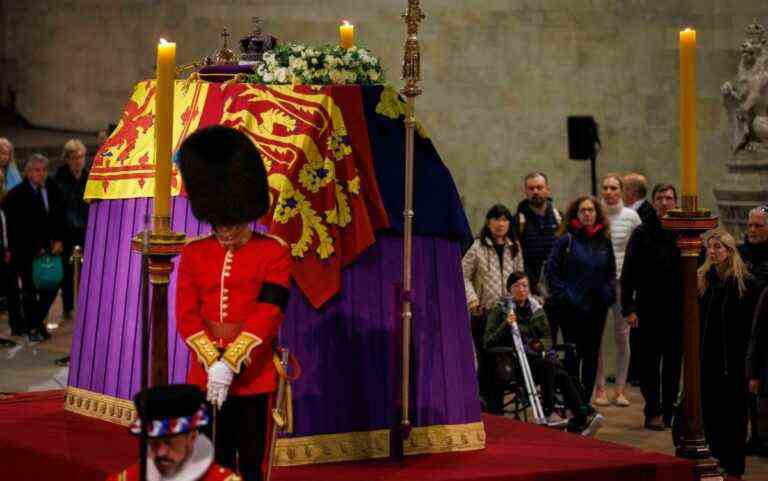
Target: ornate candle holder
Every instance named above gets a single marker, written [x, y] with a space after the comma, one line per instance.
[689, 223]
[161, 247]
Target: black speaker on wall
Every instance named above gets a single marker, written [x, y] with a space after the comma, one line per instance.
[583, 137]
[584, 142]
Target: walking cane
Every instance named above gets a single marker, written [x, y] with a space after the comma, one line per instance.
[530, 384]
[279, 413]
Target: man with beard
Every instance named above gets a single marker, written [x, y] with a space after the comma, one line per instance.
[176, 450]
[537, 224]
[754, 251]
[651, 301]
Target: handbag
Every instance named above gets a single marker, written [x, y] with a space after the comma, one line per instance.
[47, 272]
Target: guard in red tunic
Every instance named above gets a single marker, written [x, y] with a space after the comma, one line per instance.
[232, 289]
[177, 451]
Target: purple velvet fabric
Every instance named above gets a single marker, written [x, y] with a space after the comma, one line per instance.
[344, 348]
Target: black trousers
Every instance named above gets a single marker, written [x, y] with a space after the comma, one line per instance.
[484, 363]
[242, 434]
[36, 303]
[9, 282]
[549, 376]
[633, 372]
[724, 410]
[585, 330]
[660, 354]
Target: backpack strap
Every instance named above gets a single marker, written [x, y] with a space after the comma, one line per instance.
[558, 217]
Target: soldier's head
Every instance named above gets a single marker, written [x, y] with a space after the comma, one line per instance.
[173, 414]
[225, 179]
[757, 225]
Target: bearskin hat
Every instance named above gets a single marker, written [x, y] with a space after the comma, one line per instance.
[224, 176]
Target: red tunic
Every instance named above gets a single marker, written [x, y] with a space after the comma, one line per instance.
[219, 314]
[214, 473]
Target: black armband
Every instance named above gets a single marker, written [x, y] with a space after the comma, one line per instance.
[274, 294]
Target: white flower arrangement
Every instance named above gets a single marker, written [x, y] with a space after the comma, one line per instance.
[296, 63]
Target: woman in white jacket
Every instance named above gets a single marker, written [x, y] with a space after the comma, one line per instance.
[623, 221]
[486, 265]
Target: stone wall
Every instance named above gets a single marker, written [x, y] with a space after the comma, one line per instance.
[500, 76]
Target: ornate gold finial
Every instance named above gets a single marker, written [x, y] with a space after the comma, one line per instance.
[755, 32]
[413, 15]
[224, 54]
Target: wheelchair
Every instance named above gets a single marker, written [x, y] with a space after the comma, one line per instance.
[508, 379]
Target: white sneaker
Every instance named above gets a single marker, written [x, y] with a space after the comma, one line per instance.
[601, 399]
[621, 400]
[555, 421]
[594, 423]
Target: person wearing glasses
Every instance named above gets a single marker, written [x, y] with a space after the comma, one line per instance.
[754, 251]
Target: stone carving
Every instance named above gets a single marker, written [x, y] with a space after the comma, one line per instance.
[745, 184]
[746, 96]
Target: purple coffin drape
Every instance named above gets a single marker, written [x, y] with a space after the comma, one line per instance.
[345, 348]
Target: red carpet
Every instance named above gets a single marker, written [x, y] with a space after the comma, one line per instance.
[39, 440]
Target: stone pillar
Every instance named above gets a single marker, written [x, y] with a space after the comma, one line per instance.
[745, 186]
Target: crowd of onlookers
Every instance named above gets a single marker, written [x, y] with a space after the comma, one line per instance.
[558, 275]
[43, 218]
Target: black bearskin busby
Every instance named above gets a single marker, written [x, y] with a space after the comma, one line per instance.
[224, 176]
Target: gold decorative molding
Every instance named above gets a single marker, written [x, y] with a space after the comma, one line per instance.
[446, 438]
[353, 446]
[100, 406]
[321, 448]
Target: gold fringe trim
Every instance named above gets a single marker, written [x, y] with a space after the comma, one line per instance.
[321, 448]
[100, 406]
[331, 448]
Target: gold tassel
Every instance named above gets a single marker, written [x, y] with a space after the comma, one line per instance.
[288, 409]
[193, 77]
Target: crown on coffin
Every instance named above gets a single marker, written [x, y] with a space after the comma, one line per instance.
[254, 46]
[224, 55]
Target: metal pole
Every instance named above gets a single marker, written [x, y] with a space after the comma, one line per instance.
[145, 334]
[411, 74]
[77, 263]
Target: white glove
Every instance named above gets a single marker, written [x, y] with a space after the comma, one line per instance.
[219, 379]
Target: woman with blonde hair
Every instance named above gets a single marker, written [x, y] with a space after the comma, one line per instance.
[727, 299]
[623, 221]
[8, 165]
